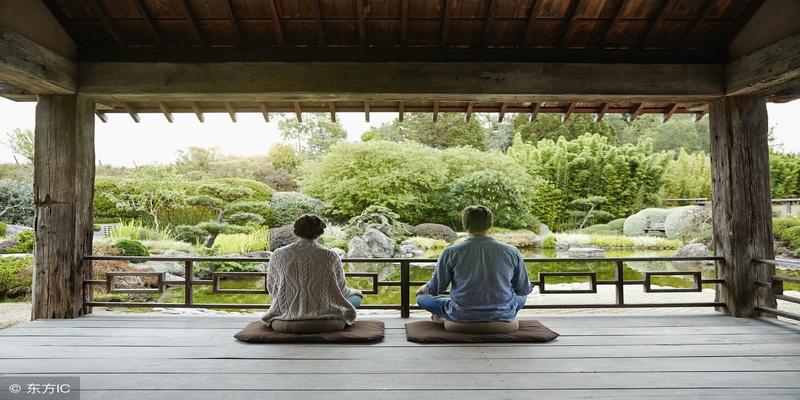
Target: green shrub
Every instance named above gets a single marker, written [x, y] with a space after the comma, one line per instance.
[549, 242]
[26, 240]
[16, 196]
[335, 236]
[437, 231]
[616, 224]
[504, 195]
[3, 229]
[15, 277]
[791, 236]
[105, 209]
[519, 238]
[129, 247]
[261, 191]
[135, 230]
[206, 268]
[286, 207]
[780, 225]
[240, 243]
[162, 246]
[427, 243]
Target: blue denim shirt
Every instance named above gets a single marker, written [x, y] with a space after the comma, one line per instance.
[485, 275]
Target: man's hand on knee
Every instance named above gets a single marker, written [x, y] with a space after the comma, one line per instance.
[422, 290]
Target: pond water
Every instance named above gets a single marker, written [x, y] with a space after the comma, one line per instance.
[422, 272]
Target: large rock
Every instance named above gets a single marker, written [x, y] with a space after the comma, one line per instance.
[586, 252]
[7, 244]
[692, 250]
[688, 223]
[380, 245]
[12, 230]
[358, 248]
[637, 224]
[281, 236]
[170, 267]
[408, 250]
[339, 252]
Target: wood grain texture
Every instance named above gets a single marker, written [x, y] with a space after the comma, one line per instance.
[33, 67]
[741, 201]
[767, 70]
[63, 191]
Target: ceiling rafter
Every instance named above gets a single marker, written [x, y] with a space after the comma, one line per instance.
[404, 23]
[489, 24]
[198, 112]
[187, 15]
[687, 35]
[131, 111]
[264, 111]
[234, 23]
[318, 22]
[659, 14]
[572, 17]
[601, 113]
[362, 29]
[435, 111]
[107, 22]
[231, 110]
[276, 21]
[148, 20]
[617, 16]
[165, 110]
[535, 111]
[298, 112]
[527, 39]
[635, 112]
[668, 114]
[445, 22]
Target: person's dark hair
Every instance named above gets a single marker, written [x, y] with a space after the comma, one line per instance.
[477, 218]
[309, 226]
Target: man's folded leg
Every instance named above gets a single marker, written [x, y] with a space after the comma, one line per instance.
[433, 304]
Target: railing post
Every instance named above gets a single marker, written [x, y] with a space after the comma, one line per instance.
[620, 285]
[187, 283]
[405, 288]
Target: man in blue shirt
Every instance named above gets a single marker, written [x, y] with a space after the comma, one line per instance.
[488, 278]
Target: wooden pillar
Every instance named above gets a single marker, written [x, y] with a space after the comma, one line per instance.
[63, 190]
[741, 201]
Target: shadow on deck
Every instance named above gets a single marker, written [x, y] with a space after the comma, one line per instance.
[599, 356]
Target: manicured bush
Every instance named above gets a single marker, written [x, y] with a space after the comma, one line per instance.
[435, 231]
[25, 240]
[128, 247]
[261, 191]
[15, 277]
[335, 236]
[688, 223]
[286, 207]
[281, 236]
[549, 242]
[504, 195]
[428, 243]
[616, 224]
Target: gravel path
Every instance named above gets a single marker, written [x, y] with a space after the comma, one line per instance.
[14, 313]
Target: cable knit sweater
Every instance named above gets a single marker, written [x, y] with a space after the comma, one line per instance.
[306, 281]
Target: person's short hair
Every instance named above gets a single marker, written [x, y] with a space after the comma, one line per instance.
[309, 226]
[477, 218]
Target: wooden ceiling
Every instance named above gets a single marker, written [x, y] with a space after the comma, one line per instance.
[643, 31]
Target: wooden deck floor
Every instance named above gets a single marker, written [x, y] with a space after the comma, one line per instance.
[705, 356]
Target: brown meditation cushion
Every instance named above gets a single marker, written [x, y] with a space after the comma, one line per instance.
[308, 325]
[360, 332]
[482, 327]
[530, 331]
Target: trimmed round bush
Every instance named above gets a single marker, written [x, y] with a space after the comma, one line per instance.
[128, 247]
[687, 223]
[636, 224]
[288, 206]
[16, 276]
[261, 191]
[616, 224]
[436, 231]
[281, 236]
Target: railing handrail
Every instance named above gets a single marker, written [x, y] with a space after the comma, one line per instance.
[775, 284]
[398, 260]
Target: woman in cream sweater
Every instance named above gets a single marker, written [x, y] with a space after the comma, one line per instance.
[306, 281]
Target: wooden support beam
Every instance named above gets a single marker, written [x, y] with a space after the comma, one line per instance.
[570, 25]
[234, 23]
[669, 113]
[534, 111]
[400, 111]
[132, 112]
[699, 115]
[362, 29]
[435, 111]
[568, 112]
[187, 15]
[366, 111]
[502, 113]
[404, 23]
[489, 24]
[635, 112]
[298, 112]
[352, 81]
[148, 20]
[468, 115]
[264, 111]
[63, 188]
[689, 33]
[103, 116]
[527, 40]
[446, 22]
[99, 10]
[601, 113]
[767, 70]
[276, 22]
[165, 110]
[617, 16]
[32, 67]
[230, 109]
[198, 112]
[318, 22]
[333, 110]
[741, 201]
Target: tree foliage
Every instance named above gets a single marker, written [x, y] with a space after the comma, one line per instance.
[550, 126]
[680, 132]
[21, 142]
[314, 136]
[688, 175]
[16, 202]
[449, 130]
[149, 196]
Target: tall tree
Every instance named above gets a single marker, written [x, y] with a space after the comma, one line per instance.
[21, 142]
[314, 136]
[680, 132]
[550, 126]
[450, 130]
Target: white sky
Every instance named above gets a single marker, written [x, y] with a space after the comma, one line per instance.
[122, 142]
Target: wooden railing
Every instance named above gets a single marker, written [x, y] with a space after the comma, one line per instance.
[405, 284]
[776, 284]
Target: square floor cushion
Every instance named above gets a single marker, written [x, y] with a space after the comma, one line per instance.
[360, 332]
[530, 331]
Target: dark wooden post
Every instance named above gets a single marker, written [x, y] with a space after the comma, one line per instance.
[741, 201]
[63, 190]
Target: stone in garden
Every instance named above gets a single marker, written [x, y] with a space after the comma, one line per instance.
[586, 252]
[435, 231]
[637, 224]
[409, 250]
[339, 252]
[12, 230]
[544, 230]
[281, 236]
[692, 250]
[170, 277]
[7, 244]
[688, 223]
[562, 245]
[358, 248]
[258, 254]
[380, 245]
[172, 267]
